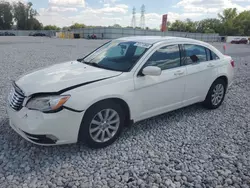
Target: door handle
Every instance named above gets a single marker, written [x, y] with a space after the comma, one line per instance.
[179, 73]
[210, 65]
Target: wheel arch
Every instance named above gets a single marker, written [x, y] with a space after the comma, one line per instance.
[223, 77]
[207, 102]
[124, 105]
[116, 100]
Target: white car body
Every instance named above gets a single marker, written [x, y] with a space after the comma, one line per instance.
[145, 97]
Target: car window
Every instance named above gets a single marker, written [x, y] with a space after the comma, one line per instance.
[214, 56]
[195, 54]
[117, 55]
[118, 51]
[166, 58]
[211, 55]
[139, 51]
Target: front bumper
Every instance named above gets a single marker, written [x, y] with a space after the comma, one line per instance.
[46, 129]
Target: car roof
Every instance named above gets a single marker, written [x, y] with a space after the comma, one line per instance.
[157, 39]
[166, 39]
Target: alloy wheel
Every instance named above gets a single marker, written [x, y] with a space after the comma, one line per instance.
[218, 93]
[104, 125]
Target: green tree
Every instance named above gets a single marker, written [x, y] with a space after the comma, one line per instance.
[242, 21]
[20, 15]
[51, 27]
[32, 22]
[228, 15]
[212, 25]
[116, 26]
[66, 28]
[190, 25]
[6, 15]
[24, 15]
[36, 25]
[77, 26]
[178, 26]
[227, 18]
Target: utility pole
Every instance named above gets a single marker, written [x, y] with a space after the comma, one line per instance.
[133, 22]
[142, 23]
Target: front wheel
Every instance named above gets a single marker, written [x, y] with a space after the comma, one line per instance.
[216, 94]
[102, 124]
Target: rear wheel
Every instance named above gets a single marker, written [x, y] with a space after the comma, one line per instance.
[216, 94]
[102, 124]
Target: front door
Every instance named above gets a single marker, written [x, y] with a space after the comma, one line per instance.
[158, 94]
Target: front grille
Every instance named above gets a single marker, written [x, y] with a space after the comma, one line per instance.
[16, 98]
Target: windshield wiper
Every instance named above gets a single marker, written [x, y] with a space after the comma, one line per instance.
[93, 64]
[99, 66]
[79, 60]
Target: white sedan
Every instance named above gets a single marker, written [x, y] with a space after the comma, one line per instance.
[124, 81]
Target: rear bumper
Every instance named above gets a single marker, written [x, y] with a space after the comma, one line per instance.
[46, 129]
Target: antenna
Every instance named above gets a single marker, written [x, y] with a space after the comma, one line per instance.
[133, 22]
[142, 23]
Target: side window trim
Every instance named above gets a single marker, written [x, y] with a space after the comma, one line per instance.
[211, 57]
[208, 54]
[182, 55]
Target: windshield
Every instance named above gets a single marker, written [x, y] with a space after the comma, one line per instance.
[117, 55]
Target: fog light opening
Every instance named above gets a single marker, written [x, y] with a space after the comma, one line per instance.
[52, 137]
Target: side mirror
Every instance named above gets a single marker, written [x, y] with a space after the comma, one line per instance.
[152, 71]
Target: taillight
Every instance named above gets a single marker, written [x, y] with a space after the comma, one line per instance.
[232, 63]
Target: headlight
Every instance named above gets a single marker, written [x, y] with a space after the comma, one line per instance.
[47, 103]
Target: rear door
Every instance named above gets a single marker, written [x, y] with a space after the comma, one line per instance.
[201, 72]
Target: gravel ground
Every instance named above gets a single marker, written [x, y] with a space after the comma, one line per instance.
[190, 147]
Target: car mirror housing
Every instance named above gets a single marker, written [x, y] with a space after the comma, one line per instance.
[151, 71]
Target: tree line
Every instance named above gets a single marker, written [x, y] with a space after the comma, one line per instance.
[23, 16]
[228, 23]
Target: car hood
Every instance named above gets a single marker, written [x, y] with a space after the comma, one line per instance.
[61, 76]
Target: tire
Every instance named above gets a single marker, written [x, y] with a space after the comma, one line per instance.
[210, 101]
[93, 114]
